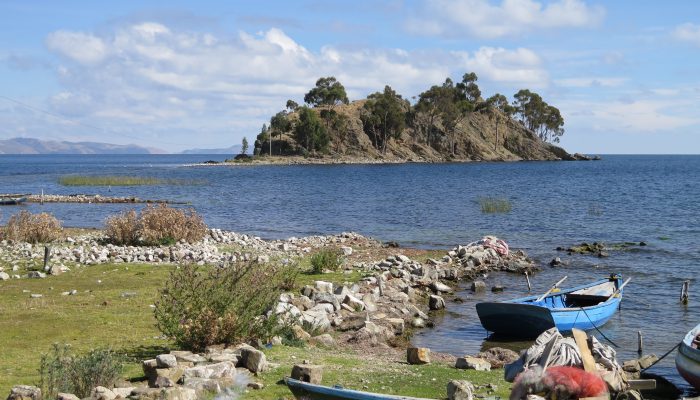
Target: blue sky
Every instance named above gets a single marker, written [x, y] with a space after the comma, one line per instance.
[185, 74]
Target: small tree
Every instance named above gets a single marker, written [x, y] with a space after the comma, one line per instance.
[309, 132]
[384, 117]
[244, 145]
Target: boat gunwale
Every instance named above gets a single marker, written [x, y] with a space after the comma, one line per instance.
[353, 394]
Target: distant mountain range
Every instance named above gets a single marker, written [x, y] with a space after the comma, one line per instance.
[36, 146]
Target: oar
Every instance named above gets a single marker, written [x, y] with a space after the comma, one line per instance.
[618, 290]
[552, 288]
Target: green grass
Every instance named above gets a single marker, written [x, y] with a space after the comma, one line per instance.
[494, 205]
[88, 180]
[355, 370]
[98, 316]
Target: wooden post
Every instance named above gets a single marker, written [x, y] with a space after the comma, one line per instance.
[527, 277]
[41, 201]
[684, 292]
[639, 342]
[47, 255]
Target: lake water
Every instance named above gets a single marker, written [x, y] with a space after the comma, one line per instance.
[621, 198]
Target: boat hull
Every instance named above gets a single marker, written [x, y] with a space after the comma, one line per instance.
[308, 391]
[688, 360]
[12, 201]
[527, 318]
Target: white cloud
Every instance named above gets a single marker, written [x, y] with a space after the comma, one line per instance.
[164, 82]
[581, 82]
[482, 18]
[520, 66]
[687, 33]
[80, 47]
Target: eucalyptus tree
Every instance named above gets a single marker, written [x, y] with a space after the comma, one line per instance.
[384, 117]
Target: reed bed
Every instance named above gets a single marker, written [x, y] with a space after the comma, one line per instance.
[495, 205]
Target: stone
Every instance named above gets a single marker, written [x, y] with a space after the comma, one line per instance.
[204, 384]
[323, 297]
[397, 324]
[177, 393]
[231, 357]
[24, 392]
[325, 340]
[473, 363]
[307, 373]
[347, 250]
[436, 302]
[122, 392]
[68, 396]
[555, 262]
[631, 366]
[418, 355]
[498, 357]
[478, 286]
[172, 374]
[166, 361]
[224, 369]
[460, 390]
[497, 288]
[323, 287]
[163, 382]
[646, 361]
[4, 276]
[438, 287]
[149, 370]
[254, 360]
[102, 393]
[36, 274]
[418, 322]
[317, 319]
[188, 356]
[354, 303]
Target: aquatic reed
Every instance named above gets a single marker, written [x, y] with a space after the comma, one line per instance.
[494, 205]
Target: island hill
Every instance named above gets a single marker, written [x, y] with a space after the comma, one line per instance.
[448, 122]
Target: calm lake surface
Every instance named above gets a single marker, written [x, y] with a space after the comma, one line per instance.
[621, 198]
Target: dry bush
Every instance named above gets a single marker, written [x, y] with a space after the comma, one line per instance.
[165, 225]
[123, 228]
[156, 225]
[32, 228]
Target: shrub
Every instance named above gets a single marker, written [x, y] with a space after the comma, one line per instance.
[123, 228]
[62, 372]
[165, 225]
[200, 306]
[492, 205]
[32, 228]
[326, 259]
[156, 225]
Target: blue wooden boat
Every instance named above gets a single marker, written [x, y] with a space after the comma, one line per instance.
[308, 391]
[583, 307]
[12, 199]
[688, 358]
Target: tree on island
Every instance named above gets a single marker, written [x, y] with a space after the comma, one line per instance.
[538, 116]
[244, 145]
[279, 124]
[327, 94]
[384, 116]
[309, 132]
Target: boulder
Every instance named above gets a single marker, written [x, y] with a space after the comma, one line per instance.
[254, 360]
[202, 385]
[299, 333]
[436, 302]
[460, 390]
[472, 363]
[498, 356]
[418, 355]
[189, 357]
[224, 369]
[347, 250]
[323, 297]
[167, 374]
[418, 322]
[354, 303]
[397, 324]
[307, 373]
[36, 274]
[166, 361]
[24, 392]
[323, 287]
[439, 287]
[317, 319]
[122, 392]
[325, 340]
[69, 396]
[102, 393]
[478, 286]
[4, 276]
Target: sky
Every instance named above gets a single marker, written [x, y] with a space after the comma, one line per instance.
[179, 74]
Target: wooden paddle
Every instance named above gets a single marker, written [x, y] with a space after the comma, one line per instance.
[551, 289]
[618, 290]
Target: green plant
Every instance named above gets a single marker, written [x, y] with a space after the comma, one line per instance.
[32, 228]
[200, 306]
[61, 371]
[326, 259]
[493, 205]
